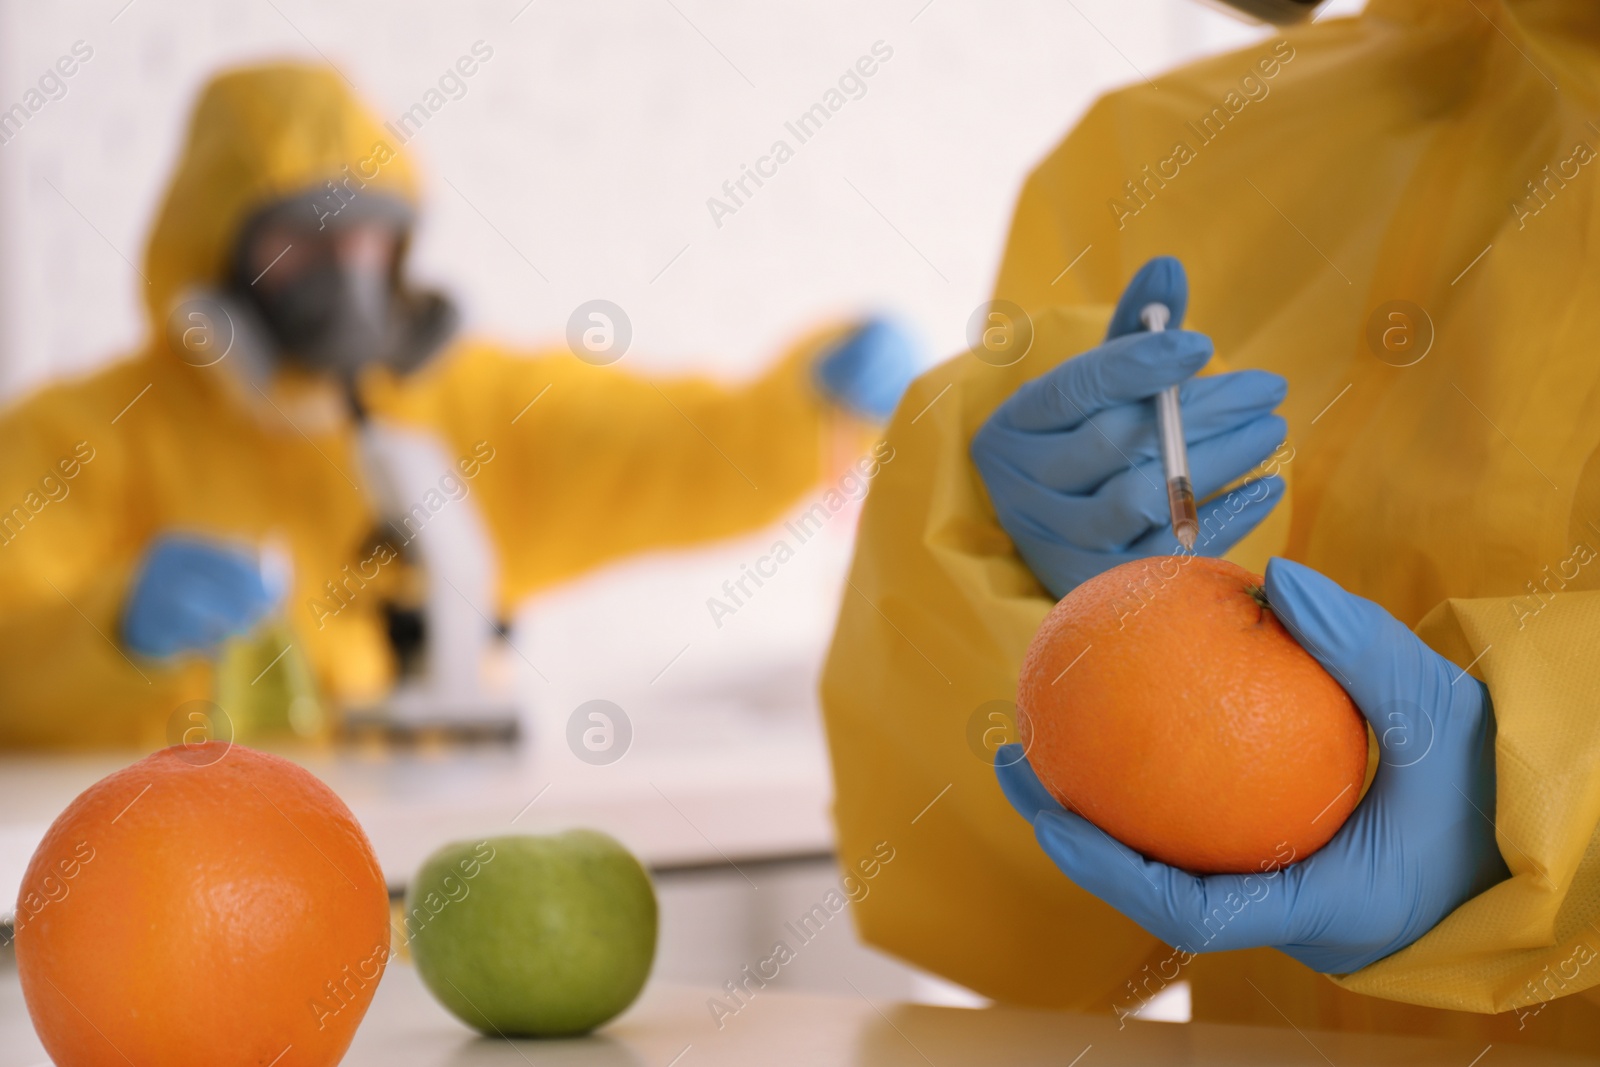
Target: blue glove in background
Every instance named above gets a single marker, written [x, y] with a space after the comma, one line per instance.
[191, 595]
[870, 370]
[1420, 843]
[1072, 460]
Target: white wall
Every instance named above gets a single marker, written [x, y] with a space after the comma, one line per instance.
[591, 142]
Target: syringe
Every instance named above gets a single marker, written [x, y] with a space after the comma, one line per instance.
[1174, 452]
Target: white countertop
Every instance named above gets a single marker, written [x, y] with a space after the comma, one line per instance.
[671, 1027]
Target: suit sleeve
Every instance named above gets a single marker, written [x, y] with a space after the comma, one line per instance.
[66, 557]
[581, 465]
[1535, 937]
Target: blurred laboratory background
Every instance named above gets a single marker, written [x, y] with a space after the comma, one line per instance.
[585, 159]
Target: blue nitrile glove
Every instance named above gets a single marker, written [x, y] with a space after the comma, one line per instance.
[869, 371]
[1072, 460]
[1420, 843]
[192, 594]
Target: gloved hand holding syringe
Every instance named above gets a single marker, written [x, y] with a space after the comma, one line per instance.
[1069, 459]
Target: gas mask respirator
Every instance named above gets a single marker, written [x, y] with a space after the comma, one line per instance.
[1279, 12]
[330, 294]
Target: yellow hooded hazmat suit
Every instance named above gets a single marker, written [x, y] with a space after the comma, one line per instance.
[1437, 152]
[603, 465]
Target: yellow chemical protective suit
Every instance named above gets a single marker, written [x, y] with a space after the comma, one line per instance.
[1441, 152]
[604, 464]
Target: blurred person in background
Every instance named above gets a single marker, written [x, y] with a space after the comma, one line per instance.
[138, 502]
[1387, 227]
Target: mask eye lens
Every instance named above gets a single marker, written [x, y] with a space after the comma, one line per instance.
[276, 256]
[366, 248]
[280, 256]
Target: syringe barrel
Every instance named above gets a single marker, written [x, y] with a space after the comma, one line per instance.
[1169, 419]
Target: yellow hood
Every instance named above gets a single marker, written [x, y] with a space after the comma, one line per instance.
[259, 134]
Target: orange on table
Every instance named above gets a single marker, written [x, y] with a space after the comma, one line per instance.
[1193, 728]
[207, 905]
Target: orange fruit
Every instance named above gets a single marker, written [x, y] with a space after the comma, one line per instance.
[1164, 702]
[207, 905]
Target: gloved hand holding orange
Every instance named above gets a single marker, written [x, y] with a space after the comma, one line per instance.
[1213, 727]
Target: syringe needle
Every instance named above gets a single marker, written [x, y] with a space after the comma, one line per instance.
[1174, 452]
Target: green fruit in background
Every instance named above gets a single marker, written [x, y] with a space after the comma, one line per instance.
[539, 936]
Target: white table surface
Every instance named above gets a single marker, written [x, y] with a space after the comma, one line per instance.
[671, 1027]
[702, 795]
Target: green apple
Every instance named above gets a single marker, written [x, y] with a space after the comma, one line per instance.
[538, 936]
